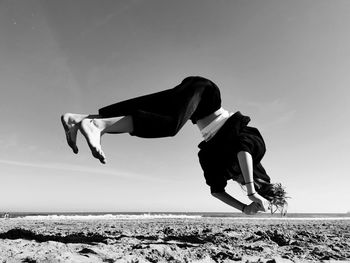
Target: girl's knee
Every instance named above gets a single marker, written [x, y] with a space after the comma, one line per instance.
[194, 79]
[196, 83]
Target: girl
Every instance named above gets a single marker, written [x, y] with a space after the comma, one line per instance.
[230, 150]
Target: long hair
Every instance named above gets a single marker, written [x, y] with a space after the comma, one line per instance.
[275, 194]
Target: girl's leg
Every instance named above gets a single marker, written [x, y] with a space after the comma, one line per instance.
[70, 123]
[164, 113]
[156, 115]
[93, 129]
[122, 124]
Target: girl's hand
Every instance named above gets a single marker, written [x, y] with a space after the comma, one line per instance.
[261, 201]
[251, 209]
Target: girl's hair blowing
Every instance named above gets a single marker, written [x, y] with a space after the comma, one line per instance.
[276, 195]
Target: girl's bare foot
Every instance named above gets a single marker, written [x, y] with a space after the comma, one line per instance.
[69, 122]
[92, 135]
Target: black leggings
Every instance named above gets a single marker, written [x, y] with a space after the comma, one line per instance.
[164, 113]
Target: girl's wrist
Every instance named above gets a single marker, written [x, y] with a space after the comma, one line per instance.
[250, 187]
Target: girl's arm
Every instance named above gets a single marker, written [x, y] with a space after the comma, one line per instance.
[246, 164]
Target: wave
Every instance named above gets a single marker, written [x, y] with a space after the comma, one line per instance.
[170, 216]
[173, 215]
[293, 218]
[110, 217]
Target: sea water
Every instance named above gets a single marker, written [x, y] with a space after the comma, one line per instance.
[173, 215]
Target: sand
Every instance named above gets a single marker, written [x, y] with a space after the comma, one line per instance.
[174, 240]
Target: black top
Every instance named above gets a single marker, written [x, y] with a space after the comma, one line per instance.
[218, 156]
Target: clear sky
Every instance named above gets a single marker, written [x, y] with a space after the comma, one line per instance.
[284, 63]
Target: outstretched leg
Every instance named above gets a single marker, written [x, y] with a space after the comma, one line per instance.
[155, 115]
[164, 113]
[70, 123]
[93, 129]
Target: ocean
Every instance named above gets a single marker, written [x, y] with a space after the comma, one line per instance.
[169, 215]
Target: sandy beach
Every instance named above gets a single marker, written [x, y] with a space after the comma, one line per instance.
[174, 240]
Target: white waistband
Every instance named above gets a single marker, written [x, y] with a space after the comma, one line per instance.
[212, 128]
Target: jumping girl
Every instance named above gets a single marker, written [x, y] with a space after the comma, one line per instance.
[230, 150]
